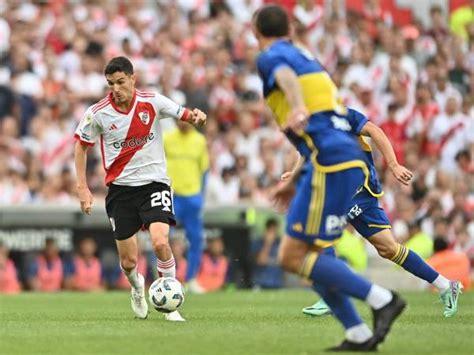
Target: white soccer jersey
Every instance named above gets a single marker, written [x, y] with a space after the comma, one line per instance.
[131, 142]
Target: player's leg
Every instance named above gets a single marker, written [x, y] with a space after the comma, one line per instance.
[128, 255]
[388, 248]
[125, 223]
[320, 308]
[159, 233]
[156, 213]
[313, 214]
[371, 222]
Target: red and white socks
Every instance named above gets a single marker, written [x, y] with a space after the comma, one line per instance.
[166, 268]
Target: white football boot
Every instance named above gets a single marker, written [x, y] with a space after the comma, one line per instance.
[174, 317]
[138, 300]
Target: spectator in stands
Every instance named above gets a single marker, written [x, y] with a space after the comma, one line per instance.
[202, 52]
[9, 283]
[455, 265]
[267, 271]
[84, 273]
[420, 242]
[46, 273]
[214, 265]
[188, 163]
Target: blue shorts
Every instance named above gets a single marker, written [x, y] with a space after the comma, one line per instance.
[366, 215]
[318, 212]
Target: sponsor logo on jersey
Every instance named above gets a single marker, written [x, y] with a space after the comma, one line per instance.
[85, 136]
[134, 142]
[144, 117]
[341, 123]
[335, 224]
[112, 127]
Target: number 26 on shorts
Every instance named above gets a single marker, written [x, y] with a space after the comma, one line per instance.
[161, 198]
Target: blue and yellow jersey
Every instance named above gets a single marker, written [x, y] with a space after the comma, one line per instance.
[327, 139]
[357, 121]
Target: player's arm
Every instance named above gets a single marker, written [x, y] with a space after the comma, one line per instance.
[168, 108]
[287, 81]
[295, 172]
[383, 144]
[85, 135]
[80, 160]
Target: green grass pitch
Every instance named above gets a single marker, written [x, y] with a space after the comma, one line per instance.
[233, 322]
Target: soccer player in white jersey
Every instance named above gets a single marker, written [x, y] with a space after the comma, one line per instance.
[126, 124]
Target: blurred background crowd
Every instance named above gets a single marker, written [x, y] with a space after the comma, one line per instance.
[416, 81]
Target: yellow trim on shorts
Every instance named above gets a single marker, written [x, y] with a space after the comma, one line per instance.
[318, 195]
[385, 226]
[325, 243]
[356, 163]
[308, 264]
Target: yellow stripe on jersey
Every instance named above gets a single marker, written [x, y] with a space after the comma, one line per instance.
[319, 94]
[364, 144]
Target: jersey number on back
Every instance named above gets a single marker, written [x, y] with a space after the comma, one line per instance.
[161, 198]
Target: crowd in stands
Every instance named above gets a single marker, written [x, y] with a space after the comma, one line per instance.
[416, 82]
[88, 269]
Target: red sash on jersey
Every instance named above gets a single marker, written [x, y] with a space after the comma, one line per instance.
[49, 279]
[87, 277]
[8, 278]
[212, 273]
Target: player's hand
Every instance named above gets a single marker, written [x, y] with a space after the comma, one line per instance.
[402, 174]
[198, 118]
[86, 199]
[282, 195]
[298, 119]
[286, 175]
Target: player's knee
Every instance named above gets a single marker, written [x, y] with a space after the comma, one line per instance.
[128, 263]
[387, 250]
[160, 244]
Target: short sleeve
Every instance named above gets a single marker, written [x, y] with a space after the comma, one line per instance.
[88, 130]
[267, 65]
[357, 121]
[168, 108]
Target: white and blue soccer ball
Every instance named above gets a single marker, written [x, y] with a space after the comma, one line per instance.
[166, 294]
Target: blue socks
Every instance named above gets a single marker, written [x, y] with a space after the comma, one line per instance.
[412, 263]
[338, 277]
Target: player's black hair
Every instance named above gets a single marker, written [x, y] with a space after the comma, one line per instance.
[272, 21]
[119, 64]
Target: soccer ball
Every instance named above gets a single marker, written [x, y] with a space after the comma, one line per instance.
[166, 294]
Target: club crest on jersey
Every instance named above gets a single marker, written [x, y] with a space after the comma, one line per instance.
[144, 117]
